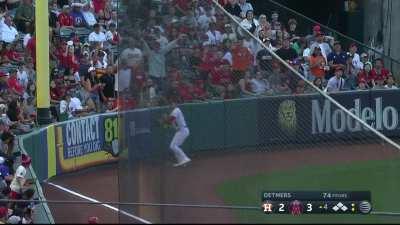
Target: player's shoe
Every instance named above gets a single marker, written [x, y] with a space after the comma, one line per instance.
[183, 163]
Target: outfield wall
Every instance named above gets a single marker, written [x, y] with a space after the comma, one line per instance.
[244, 123]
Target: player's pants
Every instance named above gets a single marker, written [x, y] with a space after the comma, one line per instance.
[177, 141]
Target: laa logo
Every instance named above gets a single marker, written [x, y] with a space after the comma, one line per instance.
[287, 117]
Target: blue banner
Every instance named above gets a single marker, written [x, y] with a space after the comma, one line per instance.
[300, 119]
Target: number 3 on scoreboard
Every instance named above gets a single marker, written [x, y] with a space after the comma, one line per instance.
[309, 207]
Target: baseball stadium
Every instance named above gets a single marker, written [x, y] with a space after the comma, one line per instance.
[199, 111]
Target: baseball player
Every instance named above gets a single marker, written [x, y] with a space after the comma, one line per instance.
[177, 119]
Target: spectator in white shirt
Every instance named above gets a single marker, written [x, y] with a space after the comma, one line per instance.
[89, 16]
[205, 19]
[259, 85]
[72, 105]
[325, 48]
[358, 65]
[97, 35]
[214, 36]
[245, 6]
[8, 32]
[336, 83]
[250, 23]
[390, 83]
[112, 35]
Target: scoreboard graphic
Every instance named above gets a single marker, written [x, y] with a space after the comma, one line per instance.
[316, 202]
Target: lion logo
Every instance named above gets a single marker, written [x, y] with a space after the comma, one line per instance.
[287, 116]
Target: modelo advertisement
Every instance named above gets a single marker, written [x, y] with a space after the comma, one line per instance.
[86, 142]
[299, 119]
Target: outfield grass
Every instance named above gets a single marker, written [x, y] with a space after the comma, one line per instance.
[382, 178]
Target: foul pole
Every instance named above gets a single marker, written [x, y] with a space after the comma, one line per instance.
[42, 61]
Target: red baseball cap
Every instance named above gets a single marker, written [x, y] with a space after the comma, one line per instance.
[3, 212]
[25, 160]
[353, 45]
[316, 28]
[93, 220]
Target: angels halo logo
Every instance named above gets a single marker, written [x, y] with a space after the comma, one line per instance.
[287, 117]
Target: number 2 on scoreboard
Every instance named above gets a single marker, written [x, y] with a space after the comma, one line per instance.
[281, 207]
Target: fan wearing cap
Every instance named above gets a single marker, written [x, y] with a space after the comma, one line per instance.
[336, 83]
[325, 48]
[88, 14]
[312, 37]
[65, 19]
[76, 13]
[157, 58]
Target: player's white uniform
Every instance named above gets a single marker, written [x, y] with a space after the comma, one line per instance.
[182, 132]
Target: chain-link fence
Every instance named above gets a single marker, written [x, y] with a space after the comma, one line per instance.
[253, 120]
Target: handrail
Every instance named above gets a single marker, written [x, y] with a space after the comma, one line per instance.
[334, 31]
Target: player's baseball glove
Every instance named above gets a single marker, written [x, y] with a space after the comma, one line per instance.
[164, 121]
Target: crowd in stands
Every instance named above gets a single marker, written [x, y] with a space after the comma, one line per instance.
[104, 59]
[83, 51]
[192, 49]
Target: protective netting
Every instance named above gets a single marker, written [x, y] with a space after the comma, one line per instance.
[256, 121]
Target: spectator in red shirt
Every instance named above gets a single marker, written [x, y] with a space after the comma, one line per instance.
[366, 75]
[69, 60]
[31, 48]
[221, 78]
[99, 5]
[379, 70]
[199, 91]
[242, 59]
[185, 92]
[182, 5]
[12, 55]
[13, 84]
[65, 19]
